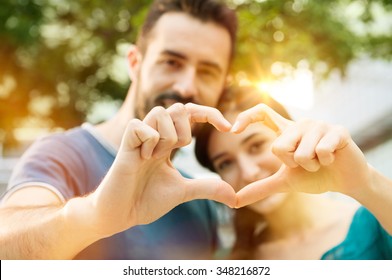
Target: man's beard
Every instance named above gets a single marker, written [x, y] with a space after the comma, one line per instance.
[164, 99]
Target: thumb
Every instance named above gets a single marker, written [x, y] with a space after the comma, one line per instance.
[260, 189]
[210, 188]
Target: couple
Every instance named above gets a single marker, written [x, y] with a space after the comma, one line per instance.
[109, 191]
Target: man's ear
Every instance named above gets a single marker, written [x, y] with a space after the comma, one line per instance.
[134, 61]
[229, 80]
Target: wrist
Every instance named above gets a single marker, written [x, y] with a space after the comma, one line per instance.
[79, 221]
[369, 189]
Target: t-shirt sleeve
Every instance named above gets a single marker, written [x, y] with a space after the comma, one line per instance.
[49, 163]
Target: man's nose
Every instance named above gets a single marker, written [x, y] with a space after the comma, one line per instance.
[186, 84]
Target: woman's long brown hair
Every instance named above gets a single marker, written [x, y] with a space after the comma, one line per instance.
[238, 99]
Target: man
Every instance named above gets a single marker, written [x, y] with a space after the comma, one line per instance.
[86, 193]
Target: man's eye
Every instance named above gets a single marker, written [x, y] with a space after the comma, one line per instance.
[208, 73]
[172, 63]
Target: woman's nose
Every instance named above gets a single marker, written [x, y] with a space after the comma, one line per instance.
[250, 170]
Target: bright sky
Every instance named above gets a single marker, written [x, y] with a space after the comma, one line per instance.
[294, 91]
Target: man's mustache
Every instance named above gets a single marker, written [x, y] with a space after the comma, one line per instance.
[167, 99]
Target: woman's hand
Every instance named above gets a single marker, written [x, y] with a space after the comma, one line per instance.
[316, 158]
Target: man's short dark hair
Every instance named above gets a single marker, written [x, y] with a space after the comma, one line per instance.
[215, 11]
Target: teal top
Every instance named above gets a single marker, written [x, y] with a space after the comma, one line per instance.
[366, 240]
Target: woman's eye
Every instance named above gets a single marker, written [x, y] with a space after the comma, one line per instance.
[223, 165]
[256, 147]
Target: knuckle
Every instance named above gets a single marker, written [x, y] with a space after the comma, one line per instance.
[322, 150]
[177, 110]
[190, 105]
[134, 122]
[155, 135]
[279, 149]
[170, 140]
[158, 110]
[302, 158]
[184, 141]
[177, 107]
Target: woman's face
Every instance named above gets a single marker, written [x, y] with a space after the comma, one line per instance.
[241, 159]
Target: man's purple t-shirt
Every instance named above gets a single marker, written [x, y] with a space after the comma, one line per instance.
[73, 164]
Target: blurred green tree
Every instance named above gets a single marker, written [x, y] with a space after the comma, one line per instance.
[57, 58]
[325, 34]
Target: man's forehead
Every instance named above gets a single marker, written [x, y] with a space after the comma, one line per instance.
[190, 37]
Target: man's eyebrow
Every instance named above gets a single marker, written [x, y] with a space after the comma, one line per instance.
[184, 57]
[218, 156]
[174, 53]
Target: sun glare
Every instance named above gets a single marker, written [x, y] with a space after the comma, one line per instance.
[295, 90]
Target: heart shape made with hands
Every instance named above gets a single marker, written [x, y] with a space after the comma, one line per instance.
[316, 157]
[263, 188]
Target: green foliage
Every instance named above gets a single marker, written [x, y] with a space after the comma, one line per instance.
[317, 32]
[61, 53]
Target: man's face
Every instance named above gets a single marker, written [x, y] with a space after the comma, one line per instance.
[186, 61]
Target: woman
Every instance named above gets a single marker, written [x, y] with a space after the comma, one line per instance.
[277, 166]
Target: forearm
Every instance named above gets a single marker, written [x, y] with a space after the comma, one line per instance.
[48, 232]
[377, 198]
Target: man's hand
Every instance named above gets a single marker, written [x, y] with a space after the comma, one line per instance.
[142, 184]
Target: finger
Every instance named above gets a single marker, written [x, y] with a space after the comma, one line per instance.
[159, 119]
[286, 144]
[261, 189]
[180, 119]
[260, 113]
[211, 188]
[140, 135]
[204, 114]
[332, 141]
[305, 154]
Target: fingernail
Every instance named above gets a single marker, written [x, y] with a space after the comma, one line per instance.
[228, 126]
[235, 127]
